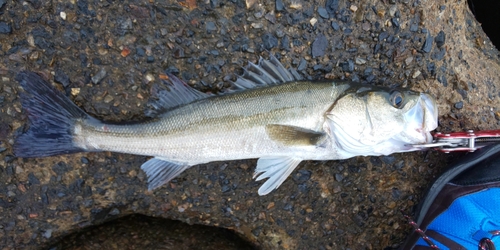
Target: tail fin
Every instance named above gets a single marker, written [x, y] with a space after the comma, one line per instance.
[51, 115]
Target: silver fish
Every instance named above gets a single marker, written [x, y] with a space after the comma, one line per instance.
[275, 116]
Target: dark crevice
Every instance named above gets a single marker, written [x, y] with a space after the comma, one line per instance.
[486, 12]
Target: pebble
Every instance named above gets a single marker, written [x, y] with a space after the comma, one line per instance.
[19, 170]
[366, 26]
[360, 61]
[408, 60]
[61, 77]
[84, 160]
[257, 25]
[302, 64]
[48, 233]
[269, 41]
[75, 91]
[313, 21]
[427, 44]
[108, 99]
[440, 39]
[270, 17]
[114, 211]
[5, 28]
[258, 14]
[335, 26]
[210, 26]
[348, 66]
[438, 54]
[416, 74]
[323, 13]
[96, 79]
[339, 177]
[459, 105]
[392, 10]
[279, 5]
[319, 46]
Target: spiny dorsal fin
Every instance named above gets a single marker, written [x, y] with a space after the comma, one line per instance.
[177, 94]
[294, 136]
[265, 73]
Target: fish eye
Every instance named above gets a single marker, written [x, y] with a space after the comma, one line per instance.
[396, 99]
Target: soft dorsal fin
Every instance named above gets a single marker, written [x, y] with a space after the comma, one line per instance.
[294, 136]
[265, 73]
[277, 168]
[177, 94]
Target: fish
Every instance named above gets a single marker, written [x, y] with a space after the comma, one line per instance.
[270, 113]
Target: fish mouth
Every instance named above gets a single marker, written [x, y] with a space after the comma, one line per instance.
[429, 116]
[421, 120]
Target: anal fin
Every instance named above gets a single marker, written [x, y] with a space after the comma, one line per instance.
[161, 171]
[294, 136]
[277, 168]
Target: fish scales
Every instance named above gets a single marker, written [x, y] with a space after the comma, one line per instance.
[229, 127]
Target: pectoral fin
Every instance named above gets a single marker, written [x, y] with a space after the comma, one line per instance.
[294, 136]
[277, 169]
[161, 171]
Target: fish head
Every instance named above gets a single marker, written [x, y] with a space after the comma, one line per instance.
[371, 120]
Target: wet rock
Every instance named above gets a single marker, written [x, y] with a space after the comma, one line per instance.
[279, 6]
[302, 176]
[332, 6]
[396, 193]
[97, 78]
[48, 233]
[322, 12]
[210, 27]
[178, 53]
[32, 179]
[125, 24]
[9, 158]
[348, 66]
[440, 39]
[5, 28]
[61, 77]
[285, 43]
[395, 22]
[114, 212]
[383, 35]
[427, 46]
[269, 41]
[442, 79]
[302, 64]
[339, 177]
[438, 54]
[319, 46]
[335, 26]
[61, 168]
[360, 61]
[84, 160]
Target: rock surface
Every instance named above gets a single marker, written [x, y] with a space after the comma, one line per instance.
[106, 56]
